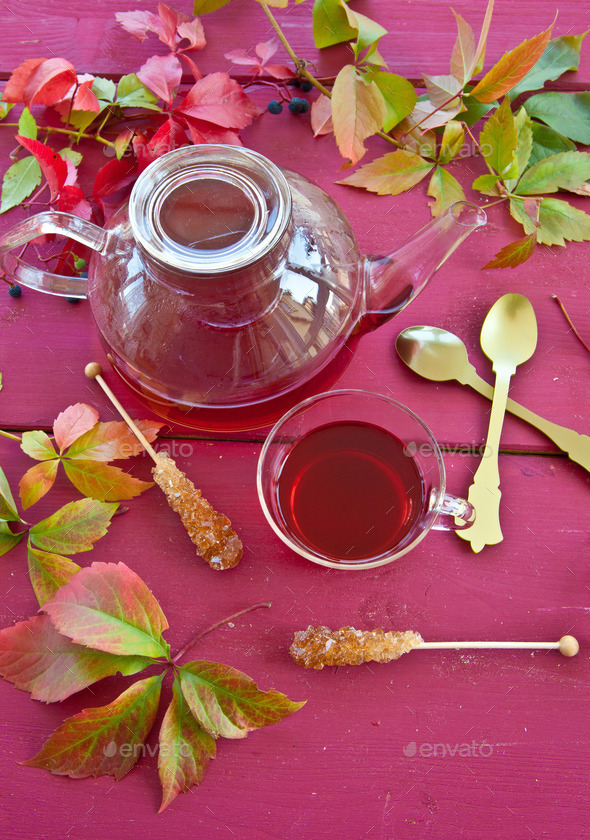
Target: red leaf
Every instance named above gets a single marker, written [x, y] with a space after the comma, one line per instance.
[279, 71]
[170, 19]
[114, 176]
[52, 165]
[73, 422]
[192, 65]
[71, 200]
[169, 136]
[140, 23]
[241, 57]
[85, 99]
[193, 32]
[266, 50]
[16, 84]
[162, 75]
[515, 253]
[219, 100]
[49, 82]
[203, 132]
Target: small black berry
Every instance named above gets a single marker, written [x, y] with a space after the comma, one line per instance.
[15, 291]
[298, 106]
[306, 86]
[296, 83]
[72, 300]
[275, 107]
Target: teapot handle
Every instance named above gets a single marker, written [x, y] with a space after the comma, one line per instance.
[35, 278]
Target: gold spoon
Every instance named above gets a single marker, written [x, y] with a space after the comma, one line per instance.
[441, 356]
[508, 338]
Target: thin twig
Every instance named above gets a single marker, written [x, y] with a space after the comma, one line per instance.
[11, 437]
[570, 322]
[219, 624]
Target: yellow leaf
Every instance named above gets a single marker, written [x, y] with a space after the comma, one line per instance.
[452, 141]
[445, 189]
[358, 111]
[392, 174]
[463, 55]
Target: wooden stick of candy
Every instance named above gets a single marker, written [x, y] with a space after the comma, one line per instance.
[320, 646]
[210, 531]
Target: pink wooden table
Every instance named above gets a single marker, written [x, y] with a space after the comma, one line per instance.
[357, 761]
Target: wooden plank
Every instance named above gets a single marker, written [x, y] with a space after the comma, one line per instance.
[421, 34]
[520, 719]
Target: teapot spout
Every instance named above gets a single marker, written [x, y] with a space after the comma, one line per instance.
[395, 280]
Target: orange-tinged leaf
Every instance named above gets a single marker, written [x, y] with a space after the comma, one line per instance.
[511, 68]
[102, 481]
[74, 527]
[498, 140]
[8, 539]
[515, 253]
[35, 657]
[105, 740]
[36, 482]
[73, 422]
[358, 112]
[38, 445]
[463, 55]
[112, 441]
[185, 749]
[321, 115]
[107, 606]
[48, 572]
[480, 52]
[227, 702]
[392, 174]
[8, 512]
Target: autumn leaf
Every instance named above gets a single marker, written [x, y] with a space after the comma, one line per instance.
[35, 657]
[73, 422]
[38, 445]
[399, 96]
[563, 171]
[498, 140]
[203, 7]
[52, 165]
[104, 740]
[392, 174]
[20, 179]
[132, 93]
[39, 81]
[74, 527]
[227, 702]
[8, 511]
[48, 572]
[515, 253]
[8, 539]
[107, 606]
[358, 112]
[452, 141]
[445, 189]
[219, 100]
[185, 749]
[547, 142]
[330, 24]
[321, 116]
[36, 482]
[511, 68]
[566, 113]
[557, 222]
[463, 55]
[102, 481]
[560, 55]
[162, 74]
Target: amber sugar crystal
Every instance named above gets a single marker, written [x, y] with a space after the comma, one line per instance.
[320, 646]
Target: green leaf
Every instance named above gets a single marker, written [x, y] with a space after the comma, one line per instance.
[515, 253]
[547, 142]
[102, 481]
[368, 31]
[498, 140]
[19, 181]
[27, 126]
[564, 171]
[487, 184]
[80, 120]
[108, 607]
[72, 155]
[392, 174]
[105, 740]
[452, 141]
[74, 527]
[36, 658]
[330, 24]
[48, 572]
[560, 221]
[5, 107]
[445, 189]
[560, 55]
[203, 7]
[36, 482]
[567, 113]
[132, 93]
[184, 749]
[463, 55]
[8, 510]
[474, 110]
[524, 132]
[399, 96]
[511, 68]
[358, 111]
[8, 540]
[105, 90]
[227, 702]
[38, 445]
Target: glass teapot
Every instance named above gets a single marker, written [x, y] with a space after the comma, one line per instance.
[227, 289]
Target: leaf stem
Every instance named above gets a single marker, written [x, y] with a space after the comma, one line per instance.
[11, 437]
[50, 129]
[197, 638]
[570, 322]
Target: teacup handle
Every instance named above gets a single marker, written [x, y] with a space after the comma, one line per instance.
[454, 514]
[50, 222]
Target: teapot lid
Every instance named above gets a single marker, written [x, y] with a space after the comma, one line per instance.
[209, 208]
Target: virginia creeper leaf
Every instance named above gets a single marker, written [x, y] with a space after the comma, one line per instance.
[547, 142]
[511, 68]
[48, 572]
[368, 32]
[219, 100]
[38, 445]
[203, 7]
[515, 253]
[392, 174]
[108, 607]
[20, 179]
[442, 89]
[358, 111]
[40, 81]
[321, 116]
[498, 140]
[452, 141]
[112, 441]
[5, 108]
[330, 24]
[524, 145]
[227, 702]
[27, 126]
[73, 422]
[162, 75]
[114, 176]
[105, 90]
[567, 113]
[132, 93]
[399, 96]
[560, 55]
[463, 55]
[52, 165]
[105, 740]
[36, 482]
[8, 510]
[480, 52]
[102, 481]
[14, 90]
[74, 527]
[185, 749]
[560, 221]
[36, 658]
[564, 171]
[8, 539]
[487, 184]
[445, 189]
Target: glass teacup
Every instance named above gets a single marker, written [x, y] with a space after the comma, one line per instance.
[352, 479]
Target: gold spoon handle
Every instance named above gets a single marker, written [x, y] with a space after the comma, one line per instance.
[484, 493]
[575, 445]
